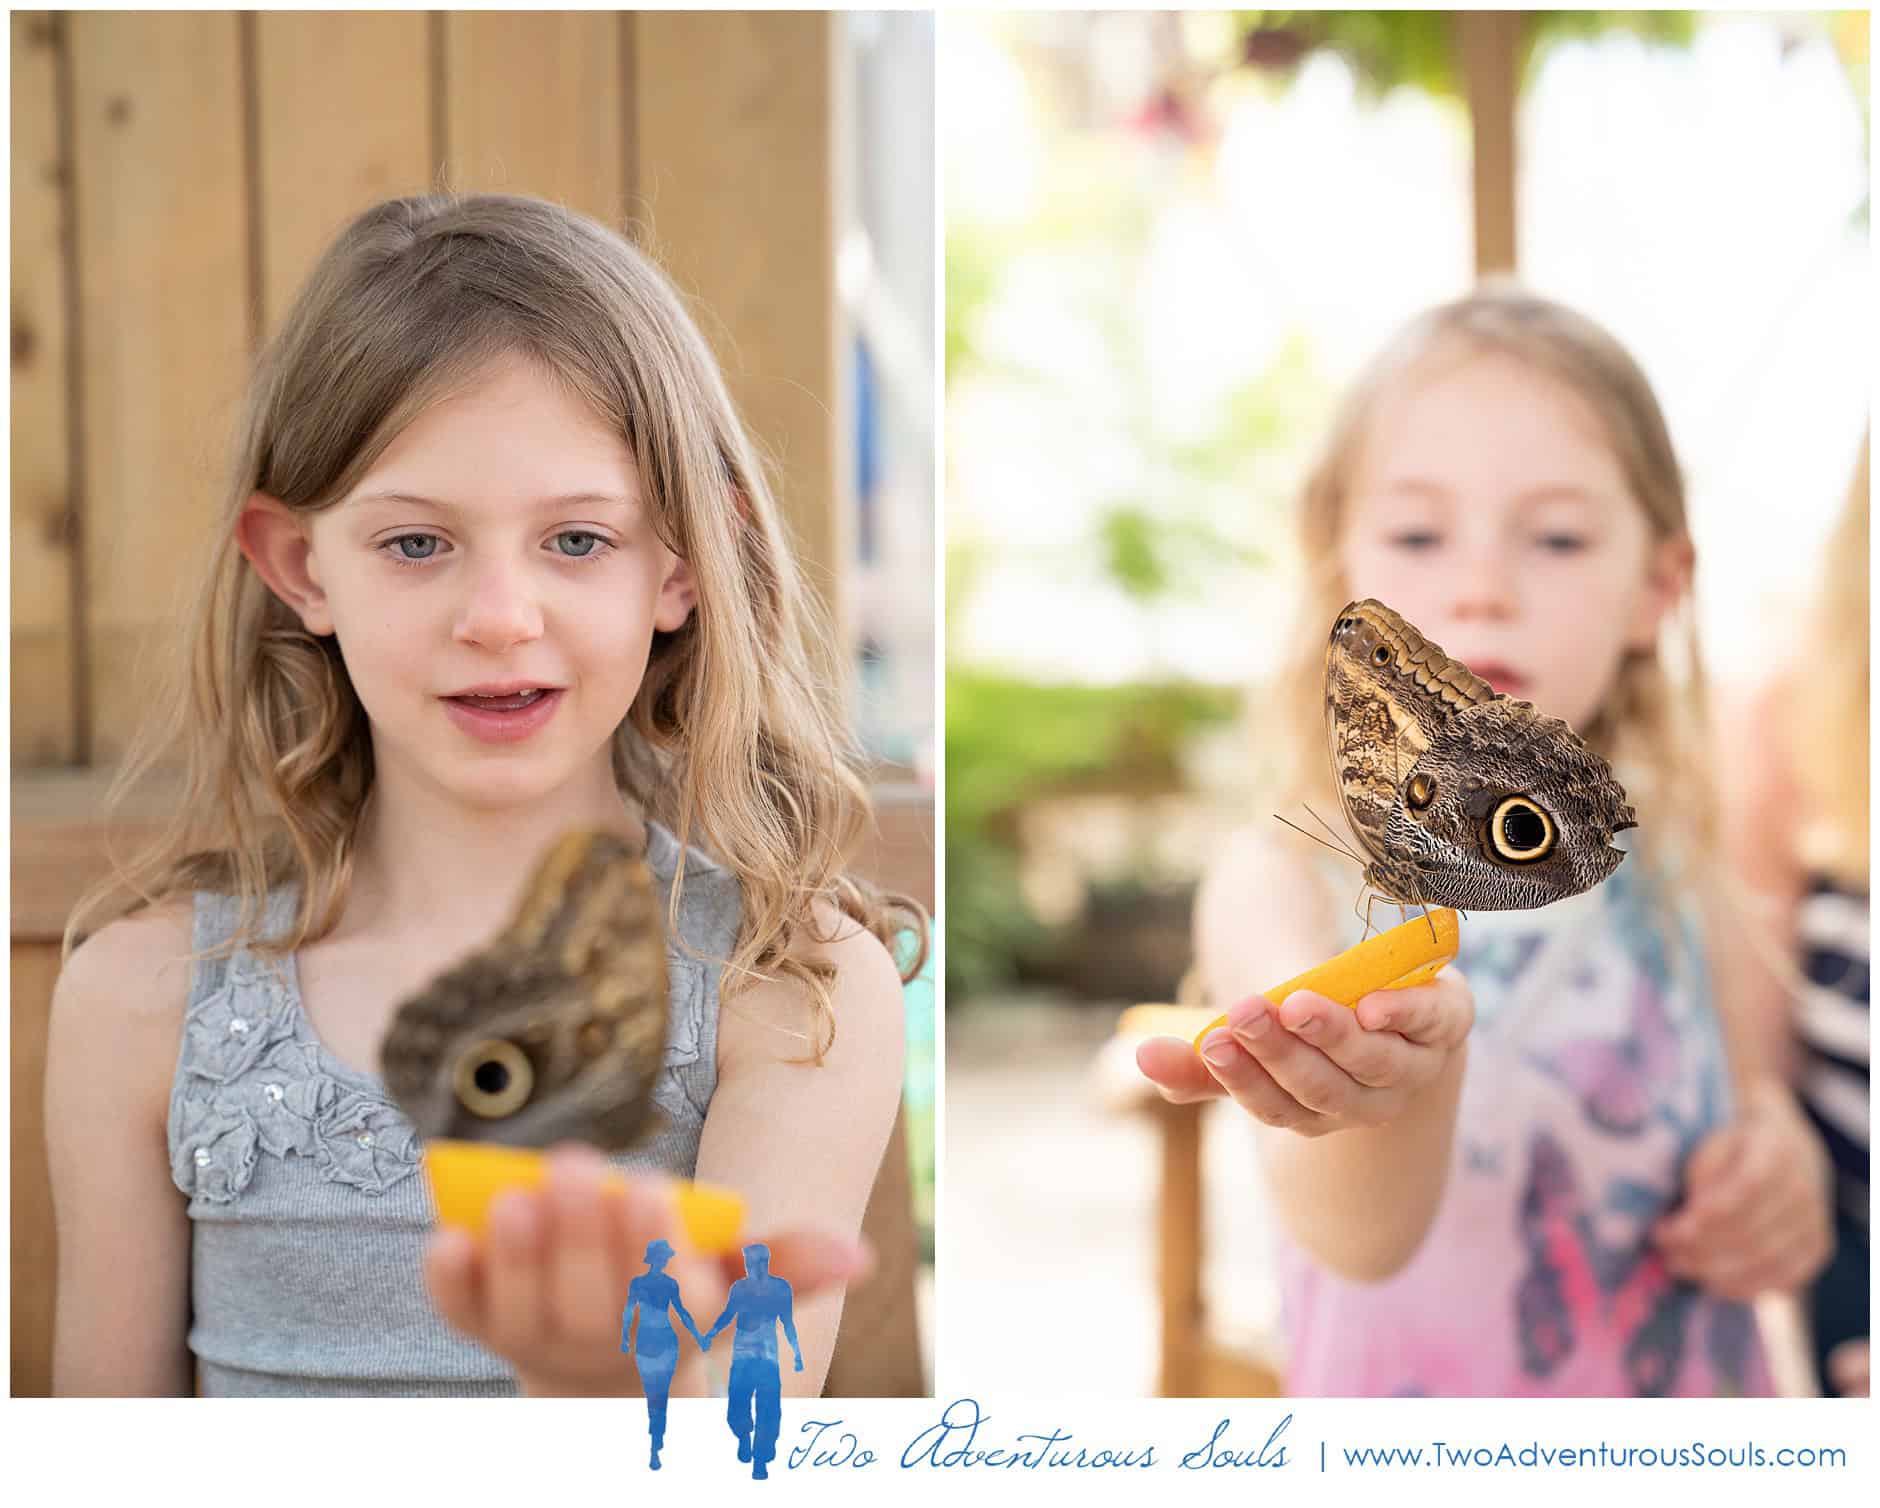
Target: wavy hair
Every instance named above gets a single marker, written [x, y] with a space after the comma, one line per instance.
[735, 740]
[1651, 725]
[1828, 738]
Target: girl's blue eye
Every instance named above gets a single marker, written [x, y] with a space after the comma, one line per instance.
[1415, 539]
[1563, 544]
[428, 542]
[579, 544]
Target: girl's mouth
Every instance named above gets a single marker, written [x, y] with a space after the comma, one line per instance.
[1505, 681]
[503, 719]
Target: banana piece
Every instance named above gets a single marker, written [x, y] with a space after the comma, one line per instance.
[1413, 953]
[466, 1176]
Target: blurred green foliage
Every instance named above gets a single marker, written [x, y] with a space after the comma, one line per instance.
[1009, 740]
[1392, 48]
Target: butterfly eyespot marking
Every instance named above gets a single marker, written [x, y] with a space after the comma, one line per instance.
[1521, 831]
[494, 1079]
[1381, 655]
[1419, 791]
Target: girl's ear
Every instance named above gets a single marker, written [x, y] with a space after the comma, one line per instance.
[1667, 578]
[678, 595]
[276, 543]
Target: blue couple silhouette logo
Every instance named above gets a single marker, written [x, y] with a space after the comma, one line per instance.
[759, 1302]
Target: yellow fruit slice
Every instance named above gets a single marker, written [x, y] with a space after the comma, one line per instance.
[466, 1176]
[1413, 953]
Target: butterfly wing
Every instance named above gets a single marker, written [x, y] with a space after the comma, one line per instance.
[557, 1028]
[1459, 796]
[1389, 694]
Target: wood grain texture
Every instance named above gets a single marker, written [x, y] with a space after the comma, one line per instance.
[163, 259]
[534, 106]
[43, 655]
[343, 115]
[62, 844]
[1488, 46]
[34, 1245]
[740, 208]
[877, 1351]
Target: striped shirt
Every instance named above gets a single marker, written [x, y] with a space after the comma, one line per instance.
[1833, 1023]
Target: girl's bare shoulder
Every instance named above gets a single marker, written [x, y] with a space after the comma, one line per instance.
[149, 947]
[123, 991]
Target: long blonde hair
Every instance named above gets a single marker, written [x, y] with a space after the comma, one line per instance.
[1828, 737]
[1651, 724]
[735, 741]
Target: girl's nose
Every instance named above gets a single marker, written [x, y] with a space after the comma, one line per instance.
[1484, 588]
[501, 611]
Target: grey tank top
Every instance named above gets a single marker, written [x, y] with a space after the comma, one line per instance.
[308, 1207]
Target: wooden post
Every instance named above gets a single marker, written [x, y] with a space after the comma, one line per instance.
[1179, 1245]
[1489, 48]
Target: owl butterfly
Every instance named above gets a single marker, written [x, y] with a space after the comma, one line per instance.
[556, 1029]
[1460, 797]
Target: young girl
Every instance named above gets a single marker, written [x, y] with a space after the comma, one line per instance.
[1524, 1178]
[497, 560]
[1799, 839]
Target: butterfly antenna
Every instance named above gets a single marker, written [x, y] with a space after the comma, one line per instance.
[1337, 848]
[1336, 838]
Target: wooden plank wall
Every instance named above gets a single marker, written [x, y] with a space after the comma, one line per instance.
[177, 173]
[174, 177]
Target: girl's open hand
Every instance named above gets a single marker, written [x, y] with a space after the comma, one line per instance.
[547, 1287]
[1314, 1066]
[1755, 1214]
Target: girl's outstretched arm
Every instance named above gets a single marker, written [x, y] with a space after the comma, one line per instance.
[803, 1143]
[121, 1318]
[1386, 1078]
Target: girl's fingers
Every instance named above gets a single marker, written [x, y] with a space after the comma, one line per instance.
[450, 1263]
[1774, 1244]
[1292, 1061]
[1172, 1066]
[585, 1291]
[1375, 1059]
[515, 1310]
[1438, 1014]
[1250, 1084]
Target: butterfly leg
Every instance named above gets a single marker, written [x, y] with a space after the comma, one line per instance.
[1416, 894]
[1370, 898]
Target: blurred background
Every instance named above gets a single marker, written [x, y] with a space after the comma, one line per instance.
[173, 178]
[1170, 240]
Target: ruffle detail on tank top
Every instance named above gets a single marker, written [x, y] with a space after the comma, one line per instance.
[250, 1084]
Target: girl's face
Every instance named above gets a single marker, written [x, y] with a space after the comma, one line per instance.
[501, 543]
[1488, 509]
